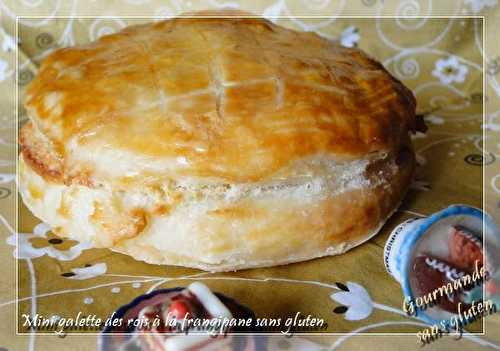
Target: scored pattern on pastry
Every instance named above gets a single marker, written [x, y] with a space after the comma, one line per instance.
[236, 99]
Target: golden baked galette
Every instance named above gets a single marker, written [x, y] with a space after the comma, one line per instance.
[216, 143]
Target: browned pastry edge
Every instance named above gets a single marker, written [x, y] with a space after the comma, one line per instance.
[36, 153]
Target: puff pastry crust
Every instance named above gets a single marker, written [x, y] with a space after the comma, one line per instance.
[216, 143]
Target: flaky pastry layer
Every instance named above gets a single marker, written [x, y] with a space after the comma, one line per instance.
[220, 227]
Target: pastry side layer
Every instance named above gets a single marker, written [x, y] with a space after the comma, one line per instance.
[223, 226]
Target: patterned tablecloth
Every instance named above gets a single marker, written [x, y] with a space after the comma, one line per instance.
[440, 59]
